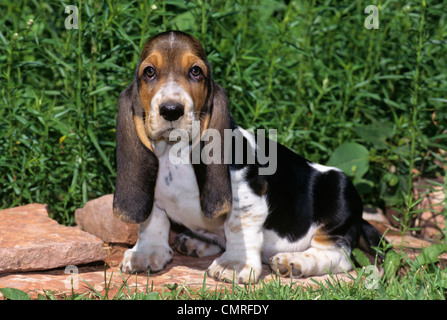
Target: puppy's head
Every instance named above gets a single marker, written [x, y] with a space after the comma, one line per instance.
[173, 89]
[175, 83]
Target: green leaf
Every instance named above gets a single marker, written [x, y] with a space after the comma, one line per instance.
[352, 158]
[172, 286]
[391, 264]
[94, 140]
[430, 254]
[394, 180]
[14, 294]
[184, 21]
[360, 257]
[375, 134]
[102, 89]
[151, 296]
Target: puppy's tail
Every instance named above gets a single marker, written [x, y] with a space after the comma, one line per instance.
[370, 237]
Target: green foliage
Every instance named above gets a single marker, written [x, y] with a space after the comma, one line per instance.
[352, 158]
[14, 294]
[430, 254]
[309, 69]
[360, 257]
[391, 264]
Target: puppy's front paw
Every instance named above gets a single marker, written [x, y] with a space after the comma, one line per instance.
[225, 268]
[154, 258]
[186, 244]
[287, 264]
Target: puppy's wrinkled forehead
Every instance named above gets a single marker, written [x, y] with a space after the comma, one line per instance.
[171, 48]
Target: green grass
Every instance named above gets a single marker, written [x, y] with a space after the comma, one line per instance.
[309, 69]
[371, 101]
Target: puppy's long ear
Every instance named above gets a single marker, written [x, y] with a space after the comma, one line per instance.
[214, 179]
[137, 165]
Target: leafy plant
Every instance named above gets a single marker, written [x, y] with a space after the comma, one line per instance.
[14, 294]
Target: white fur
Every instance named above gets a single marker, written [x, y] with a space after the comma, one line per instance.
[170, 91]
[148, 253]
[274, 244]
[193, 246]
[311, 262]
[243, 230]
[244, 234]
[322, 168]
[177, 193]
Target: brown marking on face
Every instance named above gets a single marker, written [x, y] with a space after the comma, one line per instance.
[149, 87]
[155, 59]
[172, 57]
[196, 88]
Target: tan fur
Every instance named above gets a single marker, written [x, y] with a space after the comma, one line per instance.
[163, 65]
[141, 132]
[321, 238]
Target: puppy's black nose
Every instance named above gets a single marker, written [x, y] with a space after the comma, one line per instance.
[171, 111]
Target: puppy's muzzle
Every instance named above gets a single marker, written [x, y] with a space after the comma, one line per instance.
[171, 111]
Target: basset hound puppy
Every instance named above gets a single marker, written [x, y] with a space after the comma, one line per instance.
[303, 219]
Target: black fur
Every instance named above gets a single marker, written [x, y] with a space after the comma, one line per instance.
[298, 195]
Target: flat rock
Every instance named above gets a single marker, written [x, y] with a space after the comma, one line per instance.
[183, 271]
[31, 240]
[97, 218]
[431, 220]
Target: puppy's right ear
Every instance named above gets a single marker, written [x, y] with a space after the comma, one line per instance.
[137, 165]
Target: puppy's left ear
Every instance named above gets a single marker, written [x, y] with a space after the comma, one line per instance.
[214, 179]
[137, 165]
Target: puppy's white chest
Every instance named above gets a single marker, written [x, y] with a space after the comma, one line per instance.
[176, 189]
[177, 192]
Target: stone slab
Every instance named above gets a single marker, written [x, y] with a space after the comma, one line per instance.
[31, 240]
[97, 218]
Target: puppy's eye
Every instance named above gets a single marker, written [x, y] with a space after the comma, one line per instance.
[149, 72]
[196, 72]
